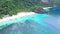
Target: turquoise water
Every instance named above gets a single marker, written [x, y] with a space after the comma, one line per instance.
[35, 17]
[35, 25]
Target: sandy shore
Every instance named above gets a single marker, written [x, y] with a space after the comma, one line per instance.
[21, 14]
[5, 21]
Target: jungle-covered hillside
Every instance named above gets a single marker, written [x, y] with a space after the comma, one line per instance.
[10, 7]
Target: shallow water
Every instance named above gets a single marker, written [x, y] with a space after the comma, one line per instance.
[32, 24]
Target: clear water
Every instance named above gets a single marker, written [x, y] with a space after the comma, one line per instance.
[32, 24]
[35, 17]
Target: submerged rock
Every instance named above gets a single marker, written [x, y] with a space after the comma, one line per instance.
[28, 27]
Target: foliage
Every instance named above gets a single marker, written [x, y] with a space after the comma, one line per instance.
[1, 16]
[10, 7]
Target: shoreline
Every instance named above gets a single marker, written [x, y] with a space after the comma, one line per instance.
[7, 20]
[20, 14]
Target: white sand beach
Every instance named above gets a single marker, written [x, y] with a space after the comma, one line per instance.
[20, 14]
[5, 21]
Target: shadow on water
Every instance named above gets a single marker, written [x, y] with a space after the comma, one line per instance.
[28, 27]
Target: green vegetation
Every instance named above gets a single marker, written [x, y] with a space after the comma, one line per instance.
[10, 7]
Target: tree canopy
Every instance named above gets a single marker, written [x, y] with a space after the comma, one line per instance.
[10, 7]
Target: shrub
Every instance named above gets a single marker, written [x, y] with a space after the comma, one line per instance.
[10, 7]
